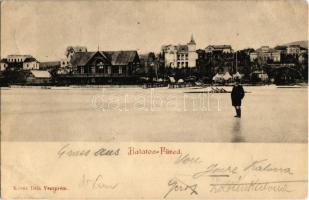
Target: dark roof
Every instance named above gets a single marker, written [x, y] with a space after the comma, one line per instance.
[115, 57]
[30, 59]
[220, 46]
[81, 58]
[294, 45]
[50, 64]
[4, 60]
[120, 57]
[182, 48]
[280, 47]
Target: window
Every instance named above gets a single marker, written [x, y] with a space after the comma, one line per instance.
[115, 70]
[120, 70]
[186, 64]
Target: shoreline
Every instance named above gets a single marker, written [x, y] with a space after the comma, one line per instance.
[303, 85]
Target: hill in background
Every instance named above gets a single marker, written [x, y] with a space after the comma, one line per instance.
[302, 43]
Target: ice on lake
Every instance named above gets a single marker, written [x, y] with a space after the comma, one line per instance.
[269, 114]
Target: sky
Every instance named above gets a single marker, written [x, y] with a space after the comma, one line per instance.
[45, 28]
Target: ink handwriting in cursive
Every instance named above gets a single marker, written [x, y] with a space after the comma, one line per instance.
[266, 166]
[216, 170]
[187, 159]
[71, 151]
[254, 186]
[97, 183]
[177, 185]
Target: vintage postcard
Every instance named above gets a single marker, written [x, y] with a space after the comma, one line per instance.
[154, 99]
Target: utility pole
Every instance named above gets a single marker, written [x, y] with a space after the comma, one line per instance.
[236, 63]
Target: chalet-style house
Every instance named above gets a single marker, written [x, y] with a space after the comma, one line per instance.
[103, 66]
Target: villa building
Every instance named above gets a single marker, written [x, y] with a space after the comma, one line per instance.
[25, 62]
[265, 53]
[180, 56]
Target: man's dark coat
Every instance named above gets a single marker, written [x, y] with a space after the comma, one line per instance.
[237, 95]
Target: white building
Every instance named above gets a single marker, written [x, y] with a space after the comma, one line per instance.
[265, 53]
[293, 49]
[3, 64]
[180, 56]
[25, 62]
[30, 64]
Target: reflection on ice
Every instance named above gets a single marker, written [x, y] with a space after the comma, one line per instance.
[236, 131]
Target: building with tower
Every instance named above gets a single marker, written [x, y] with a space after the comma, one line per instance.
[180, 56]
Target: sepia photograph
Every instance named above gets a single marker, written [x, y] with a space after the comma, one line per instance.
[213, 76]
[160, 71]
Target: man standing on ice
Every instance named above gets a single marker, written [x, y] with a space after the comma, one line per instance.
[237, 95]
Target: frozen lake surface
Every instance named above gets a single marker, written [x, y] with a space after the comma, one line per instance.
[269, 114]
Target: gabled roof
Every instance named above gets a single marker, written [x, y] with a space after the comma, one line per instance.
[81, 58]
[115, 57]
[120, 57]
[30, 59]
[40, 74]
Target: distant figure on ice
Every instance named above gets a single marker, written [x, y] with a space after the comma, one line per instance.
[237, 95]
